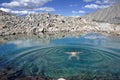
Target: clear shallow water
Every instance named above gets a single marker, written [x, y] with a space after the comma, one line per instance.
[95, 55]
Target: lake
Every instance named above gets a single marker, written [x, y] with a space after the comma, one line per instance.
[64, 55]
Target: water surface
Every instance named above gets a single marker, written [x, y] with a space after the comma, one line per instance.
[89, 54]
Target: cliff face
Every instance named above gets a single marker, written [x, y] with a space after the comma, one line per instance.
[110, 14]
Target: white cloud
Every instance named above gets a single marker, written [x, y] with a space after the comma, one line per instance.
[78, 12]
[88, 0]
[95, 6]
[98, 1]
[105, 1]
[74, 12]
[30, 11]
[92, 6]
[11, 4]
[73, 5]
[23, 12]
[81, 11]
[98, 4]
[102, 1]
[48, 9]
[17, 11]
[26, 6]
[5, 9]
[25, 3]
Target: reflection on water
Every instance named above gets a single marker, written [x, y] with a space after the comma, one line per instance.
[42, 38]
[91, 54]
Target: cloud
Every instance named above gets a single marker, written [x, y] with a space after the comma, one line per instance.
[25, 3]
[98, 4]
[5, 9]
[23, 12]
[48, 9]
[73, 5]
[102, 1]
[11, 4]
[95, 6]
[105, 1]
[30, 11]
[26, 6]
[78, 12]
[88, 0]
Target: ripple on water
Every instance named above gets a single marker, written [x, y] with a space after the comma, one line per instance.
[53, 61]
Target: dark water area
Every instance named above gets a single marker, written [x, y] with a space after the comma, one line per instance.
[89, 55]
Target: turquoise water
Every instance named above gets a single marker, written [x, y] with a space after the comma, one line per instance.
[95, 55]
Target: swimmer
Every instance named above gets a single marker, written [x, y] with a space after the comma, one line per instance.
[73, 54]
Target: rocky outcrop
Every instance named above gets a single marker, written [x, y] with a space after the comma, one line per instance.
[110, 14]
[46, 22]
[10, 24]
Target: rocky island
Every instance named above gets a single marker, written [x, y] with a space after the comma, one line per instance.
[46, 22]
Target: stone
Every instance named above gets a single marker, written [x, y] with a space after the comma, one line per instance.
[46, 22]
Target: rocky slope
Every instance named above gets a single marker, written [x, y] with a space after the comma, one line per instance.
[110, 14]
[9, 24]
[45, 22]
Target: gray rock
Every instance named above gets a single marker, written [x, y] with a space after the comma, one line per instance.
[46, 22]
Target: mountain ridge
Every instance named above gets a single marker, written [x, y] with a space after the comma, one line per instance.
[110, 14]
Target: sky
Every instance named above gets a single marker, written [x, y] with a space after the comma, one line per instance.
[62, 7]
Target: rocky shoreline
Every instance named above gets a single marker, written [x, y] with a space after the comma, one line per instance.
[46, 22]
